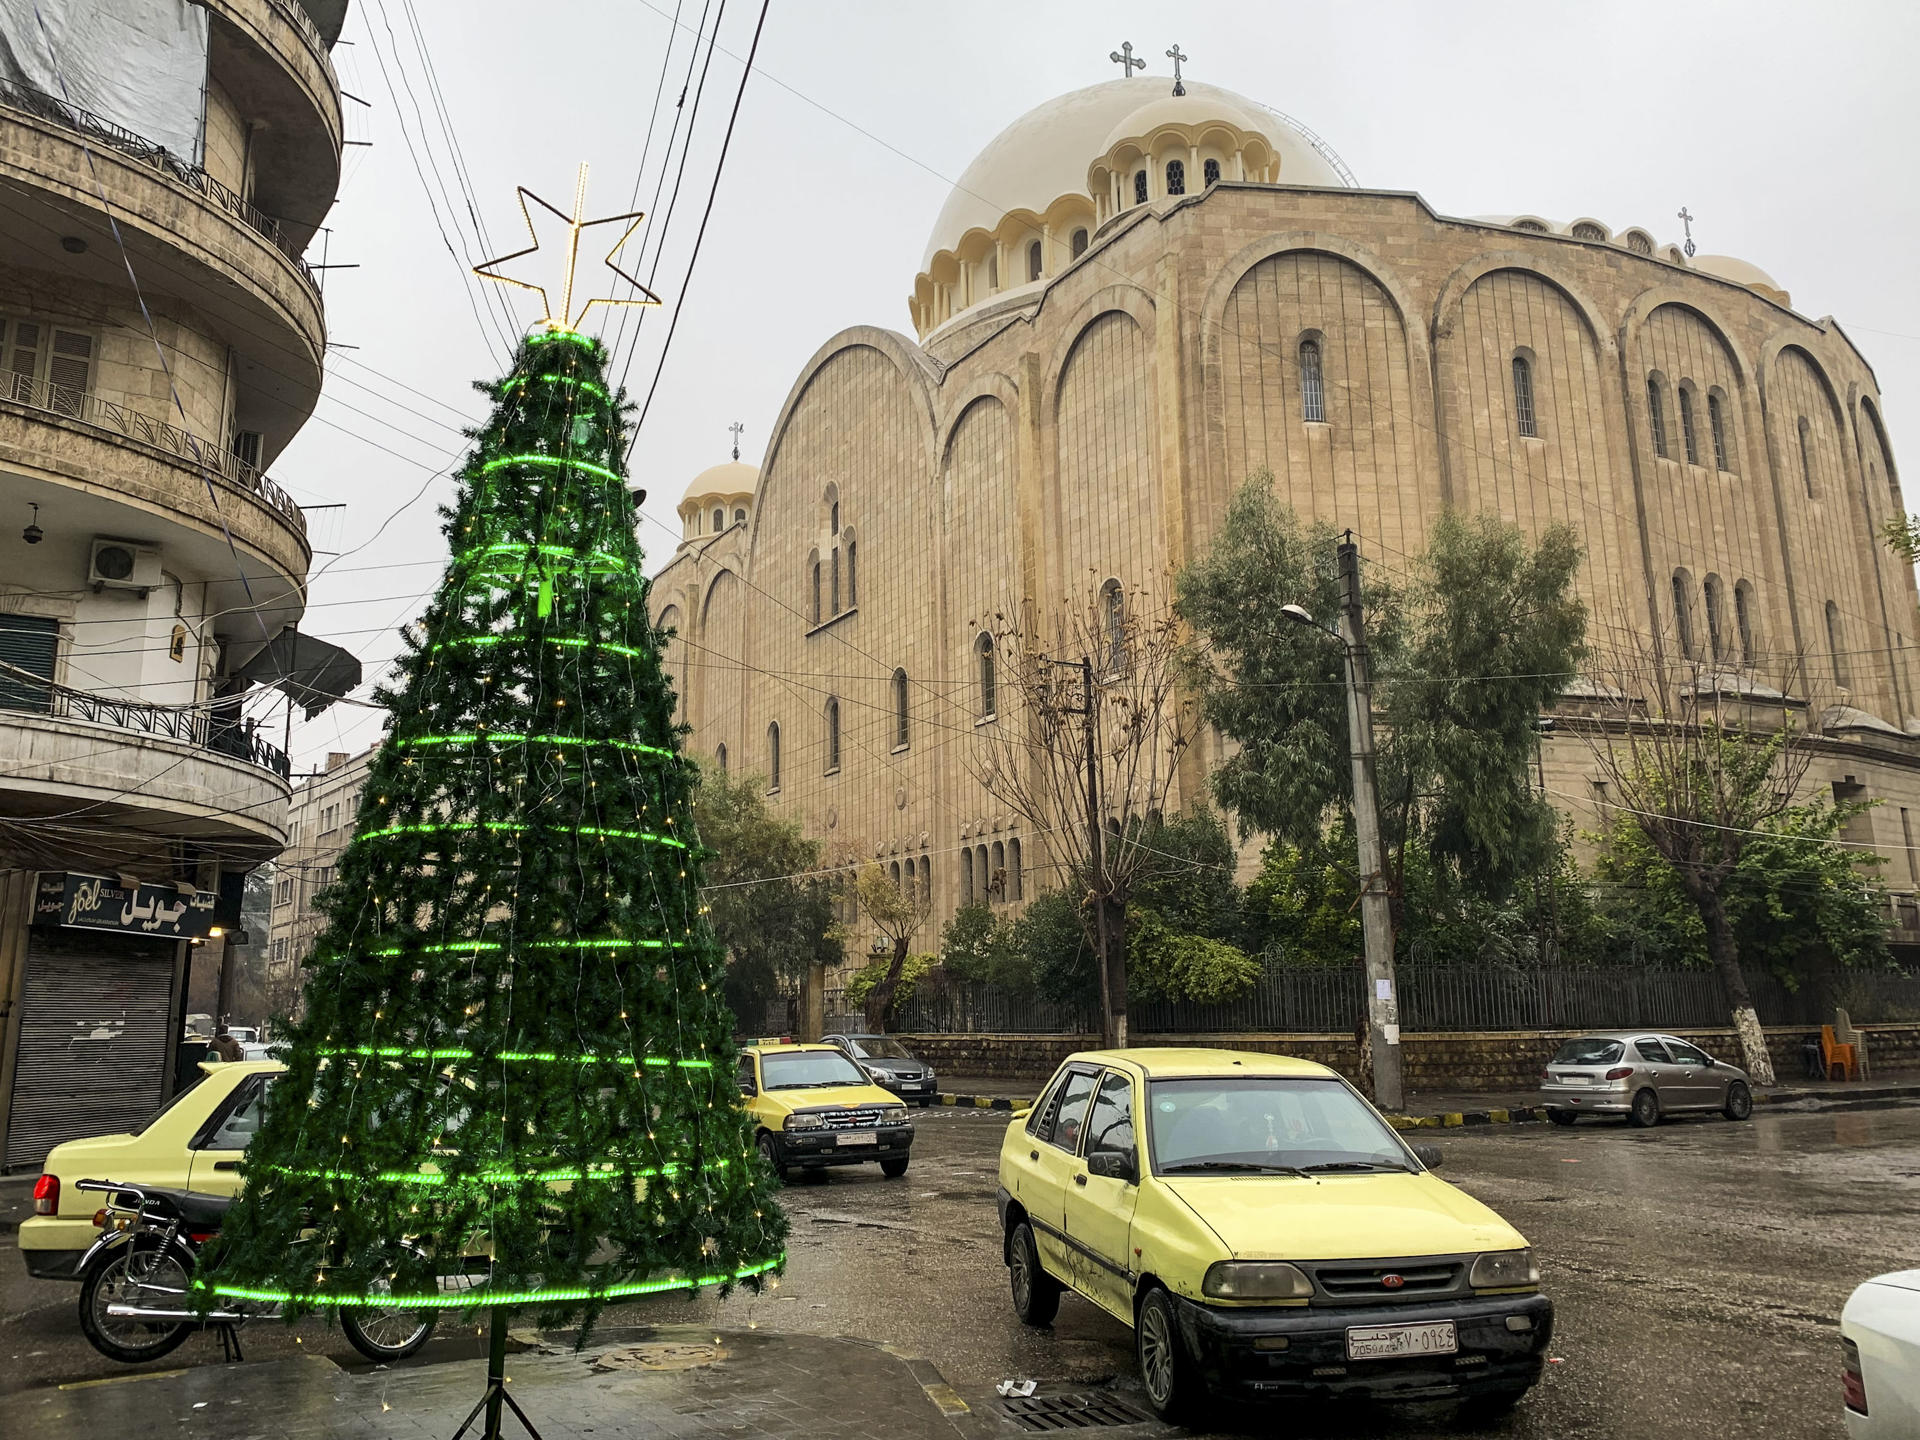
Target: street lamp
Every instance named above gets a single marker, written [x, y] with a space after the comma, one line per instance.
[1376, 910]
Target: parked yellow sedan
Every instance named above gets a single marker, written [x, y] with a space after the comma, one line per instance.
[1265, 1233]
[193, 1142]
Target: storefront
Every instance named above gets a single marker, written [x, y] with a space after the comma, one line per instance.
[96, 1023]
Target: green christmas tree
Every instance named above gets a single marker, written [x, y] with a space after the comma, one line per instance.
[515, 1045]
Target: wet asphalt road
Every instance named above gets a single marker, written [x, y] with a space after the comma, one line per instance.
[1698, 1270]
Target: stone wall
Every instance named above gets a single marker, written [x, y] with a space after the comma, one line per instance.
[1472, 1061]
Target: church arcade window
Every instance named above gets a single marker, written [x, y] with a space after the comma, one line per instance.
[1034, 254]
[853, 586]
[1743, 618]
[740, 517]
[1139, 187]
[966, 876]
[773, 756]
[1710, 596]
[1657, 416]
[1014, 883]
[1079, 242]
[1842, 672]
[1313, 392]
[989, 676]
[833, 735]
[1210, 171]
[1683, 612]
[901, 731]
[833, 572]
[719, 520]
[1587, 230]
[720, 757]
[1523, 397]
[1113, 620]
[1806, 459]
[1687, 438]
[1717, 424]
[1639, 242]
[1176, 177]
[813, 600]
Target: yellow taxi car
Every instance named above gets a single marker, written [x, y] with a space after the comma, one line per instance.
[193, 1142]
[812, 1107]
[1265, 1233]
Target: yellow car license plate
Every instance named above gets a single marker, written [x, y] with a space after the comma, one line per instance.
[857, 1138]
[1392, 1342]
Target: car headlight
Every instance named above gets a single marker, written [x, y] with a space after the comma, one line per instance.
[803, 1122]
[1255, 1280]
[877, 1075]
[894, 1115]
[1504, 1270]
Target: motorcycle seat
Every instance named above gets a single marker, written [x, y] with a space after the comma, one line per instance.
[192, 1207]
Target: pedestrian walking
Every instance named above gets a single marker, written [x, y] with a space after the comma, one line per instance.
[225, 1047]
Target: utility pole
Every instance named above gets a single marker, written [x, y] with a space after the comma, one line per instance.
[1376, 911]
[1113, 978]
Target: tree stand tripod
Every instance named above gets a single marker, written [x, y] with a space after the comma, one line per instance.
[496, 1394]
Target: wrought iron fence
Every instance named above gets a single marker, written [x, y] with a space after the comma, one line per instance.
[55, 111]
[233, 736]
[90, 409]
[295, 14]
[1436, 998]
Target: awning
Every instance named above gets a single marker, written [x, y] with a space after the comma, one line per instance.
[311, 672]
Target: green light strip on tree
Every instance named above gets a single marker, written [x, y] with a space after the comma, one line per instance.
[568, 640]
[515, 827]
[410, 1052]
[510, 737]
[587, 385]
[571, 336]
[554, 462]
[474, 1299]
[469, 947]
[558, 552]
[501, 1177]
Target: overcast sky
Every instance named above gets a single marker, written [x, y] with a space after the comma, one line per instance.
[1789, 131]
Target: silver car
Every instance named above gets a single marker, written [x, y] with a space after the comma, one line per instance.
[1642, 1075]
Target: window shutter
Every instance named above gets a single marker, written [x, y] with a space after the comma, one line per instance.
[69, 369]
[21, 356]
[30, 643]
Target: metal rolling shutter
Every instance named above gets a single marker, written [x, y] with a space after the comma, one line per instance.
[93, 1039]
[30, 643]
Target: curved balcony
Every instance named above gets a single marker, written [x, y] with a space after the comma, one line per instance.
[270, 56]
[185, 233]
[174, 771]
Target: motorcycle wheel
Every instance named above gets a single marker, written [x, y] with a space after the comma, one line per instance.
[138, 1272]
[389, 1333]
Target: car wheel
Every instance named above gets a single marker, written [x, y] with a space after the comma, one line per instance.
[1646, 1110]
[770, 1152]
[1739, 1104]
[1562, 1117]
[1036, 1294]
[1489, 1407]
[1167, 1372]
[894, 1168]
[136, 1273]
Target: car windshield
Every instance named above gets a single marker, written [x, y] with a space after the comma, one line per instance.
[877, 1047]
[1256, 1125]
[153, 1119]
[808, 1069]
[1592, 1050]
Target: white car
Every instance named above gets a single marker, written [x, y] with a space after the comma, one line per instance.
[1880, 1334]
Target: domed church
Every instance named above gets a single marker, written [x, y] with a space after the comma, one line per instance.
[1132, 301]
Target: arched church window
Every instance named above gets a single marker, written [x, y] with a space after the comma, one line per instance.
[1687, 438]
[966, 875]
[1313, 392]
[740, 517]
[1639, 242]
[1113, 619]
[1743, 618]
[853, 587]
[833, 513]
[773, 756]
[1657, 416]
[719, 520]
[1842, 671]
[1015, 883]
[989, 677]
[1711, 597]
[1176, 177]
[1587, 230]
[901, 732]
[1533, 226]
[834, 579]
[1523, 396]
[1210, 170]
[1683, 611]
[833, 735]
[1806, 459]
[1034, 254]
[1139, 187]
[1717, 423]
[1079, 242]
[720, 757]
[813, 599]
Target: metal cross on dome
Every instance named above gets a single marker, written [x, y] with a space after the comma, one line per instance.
[735, 430]
[1685, 217]
[1175, 56]
[568, 318]
[1126, 60]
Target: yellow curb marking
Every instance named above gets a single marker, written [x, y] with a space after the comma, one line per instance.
[1500, 1117]
[949, 1402]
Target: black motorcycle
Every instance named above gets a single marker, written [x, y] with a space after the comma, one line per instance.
[134, 1282]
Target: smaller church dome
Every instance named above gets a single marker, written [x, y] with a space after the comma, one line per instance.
[732, 477]
[1194, 112]
[1742, 272]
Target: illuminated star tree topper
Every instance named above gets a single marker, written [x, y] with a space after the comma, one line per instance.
[568, 318]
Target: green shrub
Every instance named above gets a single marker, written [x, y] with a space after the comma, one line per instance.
[871, 974]
[1165, 964]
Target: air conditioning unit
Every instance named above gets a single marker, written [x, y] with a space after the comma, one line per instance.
[123, 565]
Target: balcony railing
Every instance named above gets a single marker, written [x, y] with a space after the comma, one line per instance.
[295, 14]
[56, 111]
[229, 734]
[91, 410]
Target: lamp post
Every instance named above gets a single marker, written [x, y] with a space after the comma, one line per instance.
[1376, 913]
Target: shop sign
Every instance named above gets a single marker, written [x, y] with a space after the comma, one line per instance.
[95, 902]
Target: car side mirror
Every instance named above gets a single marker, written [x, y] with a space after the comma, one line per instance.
[1112, 1165]
[747, 1087]
[1427, 1155]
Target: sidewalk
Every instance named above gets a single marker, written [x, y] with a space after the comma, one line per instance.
[659, 1383]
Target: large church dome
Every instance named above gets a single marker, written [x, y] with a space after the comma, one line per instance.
[1037, 180]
